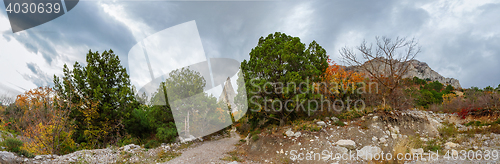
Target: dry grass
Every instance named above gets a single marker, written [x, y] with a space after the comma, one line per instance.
[164, 156]
[402, 146]
[233, 156]
[448, 130]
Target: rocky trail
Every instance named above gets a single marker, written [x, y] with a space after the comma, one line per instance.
[195, 151]
[208, 152]
[410, 131]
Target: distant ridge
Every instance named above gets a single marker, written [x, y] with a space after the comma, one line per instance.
[416, 69]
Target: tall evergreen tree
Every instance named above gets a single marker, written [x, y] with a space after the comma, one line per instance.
[104, 82]
[277, 61]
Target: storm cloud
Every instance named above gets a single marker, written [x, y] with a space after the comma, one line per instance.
[459, 39]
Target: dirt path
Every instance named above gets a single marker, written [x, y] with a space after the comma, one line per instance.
[208, 152]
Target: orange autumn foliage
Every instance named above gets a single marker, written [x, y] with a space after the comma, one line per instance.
[43, 122]
[339, 81]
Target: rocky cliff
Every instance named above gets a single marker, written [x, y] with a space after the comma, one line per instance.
[416, 69]
[423, 71]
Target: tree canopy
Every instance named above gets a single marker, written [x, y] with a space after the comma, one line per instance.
[277, 65]
[104, 83]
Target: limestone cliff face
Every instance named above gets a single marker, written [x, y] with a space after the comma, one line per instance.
[416, 69]
[423, 71]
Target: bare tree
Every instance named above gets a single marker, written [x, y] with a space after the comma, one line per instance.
[387, 64]
[6, 99]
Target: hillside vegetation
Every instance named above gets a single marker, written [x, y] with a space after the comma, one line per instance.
[288, 84]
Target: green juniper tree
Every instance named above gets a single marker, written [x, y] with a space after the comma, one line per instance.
[102, 81]
[277, 67]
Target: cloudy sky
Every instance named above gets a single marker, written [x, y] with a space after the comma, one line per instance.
[459, 39]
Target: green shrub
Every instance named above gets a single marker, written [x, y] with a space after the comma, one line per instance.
[418, 81]
[255, 137]
[448, 130]
[425, 98]
[497, 121]
[448, 89]
[339, 123]
[138, 124]
[432, 145]
[315, 128]
[436, 86]
[167, 133]
[128, 139]
[256, 131]
[26, 153]
[474, 123]
[13, 144]
[151, 144]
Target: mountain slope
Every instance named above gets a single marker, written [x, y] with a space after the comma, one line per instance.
[417, 69]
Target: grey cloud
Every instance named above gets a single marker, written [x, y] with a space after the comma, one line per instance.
[84, 27]
[32, 67]
[470, 54]
[477, 57]
[38, 77]
[232, 29]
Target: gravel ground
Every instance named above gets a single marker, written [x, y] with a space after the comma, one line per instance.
[208, 152]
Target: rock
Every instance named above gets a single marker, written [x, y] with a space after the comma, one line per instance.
[396, 129]
[449, 145]
[382, 140]
[417, 151]
[7, 157]
[321, 123]
[297, 134]
[178, 139]
[289, 133]
[129, 147]
[433, 126]
[340, 150]
[335, 119]
[369, 152]
[416, 69]
[38, 157]
[374, 138]
[234, 162]
[349, 144]
[394, 136]
[454, 153]
[375, 118]
[188, 139]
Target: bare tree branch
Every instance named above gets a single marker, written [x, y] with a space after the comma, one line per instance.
[387, 64]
